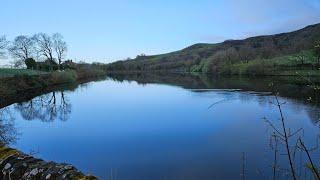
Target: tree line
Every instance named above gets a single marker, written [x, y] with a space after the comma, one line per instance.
[35, 51]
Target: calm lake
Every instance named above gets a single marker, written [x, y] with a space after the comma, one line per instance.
[179, 127]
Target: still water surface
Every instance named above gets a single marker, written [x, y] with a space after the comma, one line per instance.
[163, 129]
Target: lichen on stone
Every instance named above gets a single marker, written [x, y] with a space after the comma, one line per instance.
[17, 165]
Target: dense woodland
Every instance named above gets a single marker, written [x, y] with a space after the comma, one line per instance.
[249, 56]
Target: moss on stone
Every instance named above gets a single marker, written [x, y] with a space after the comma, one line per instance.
[5, 152]
[17, 165]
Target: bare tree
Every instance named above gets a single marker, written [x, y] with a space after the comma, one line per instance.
[60, 47]
[17, 63]
[306, 150]
[22, 48]
[3, 45]
[245, 54]
[301, 57]
[286, 136]
[231, 55]
[44, 45]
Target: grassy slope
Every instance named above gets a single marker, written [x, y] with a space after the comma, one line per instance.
[267, 53]
[287, 65]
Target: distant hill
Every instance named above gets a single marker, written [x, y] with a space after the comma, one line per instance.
[232, 56]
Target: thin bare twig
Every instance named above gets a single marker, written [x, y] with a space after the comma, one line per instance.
[286, 138]
[315, 171]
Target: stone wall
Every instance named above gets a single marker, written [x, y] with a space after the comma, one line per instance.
[15, 165]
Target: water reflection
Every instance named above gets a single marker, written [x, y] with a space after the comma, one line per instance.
[196, 126]
[314, 114]
[292, 87]
[298, 90]
[56, 105]
[8, 132]
[46, 108]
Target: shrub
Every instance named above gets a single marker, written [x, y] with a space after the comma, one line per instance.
[68, 76]
[30, 63]
[89, 72]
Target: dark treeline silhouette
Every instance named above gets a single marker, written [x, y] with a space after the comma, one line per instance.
[45, 53]
[40, 51]
[45, 57]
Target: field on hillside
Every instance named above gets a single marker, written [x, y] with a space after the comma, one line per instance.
[7, 72]
[284, 65]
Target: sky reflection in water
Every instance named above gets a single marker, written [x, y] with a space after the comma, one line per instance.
[158, 131]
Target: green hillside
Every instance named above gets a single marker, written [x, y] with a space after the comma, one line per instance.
[280, 54]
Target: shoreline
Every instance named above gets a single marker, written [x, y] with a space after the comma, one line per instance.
[18, 165]
[215, 74]
[27, 87]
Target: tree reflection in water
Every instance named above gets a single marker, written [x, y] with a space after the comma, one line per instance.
[46, 108]
[56, 106]
[314, 114]
[8, 132]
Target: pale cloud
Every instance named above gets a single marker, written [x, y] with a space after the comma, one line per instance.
[238, 19]
[266, 11]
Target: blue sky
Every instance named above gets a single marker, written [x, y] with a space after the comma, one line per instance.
[108, 30]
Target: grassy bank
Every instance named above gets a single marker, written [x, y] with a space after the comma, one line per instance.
[20, 86]
[7, 72]
[23, 82]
